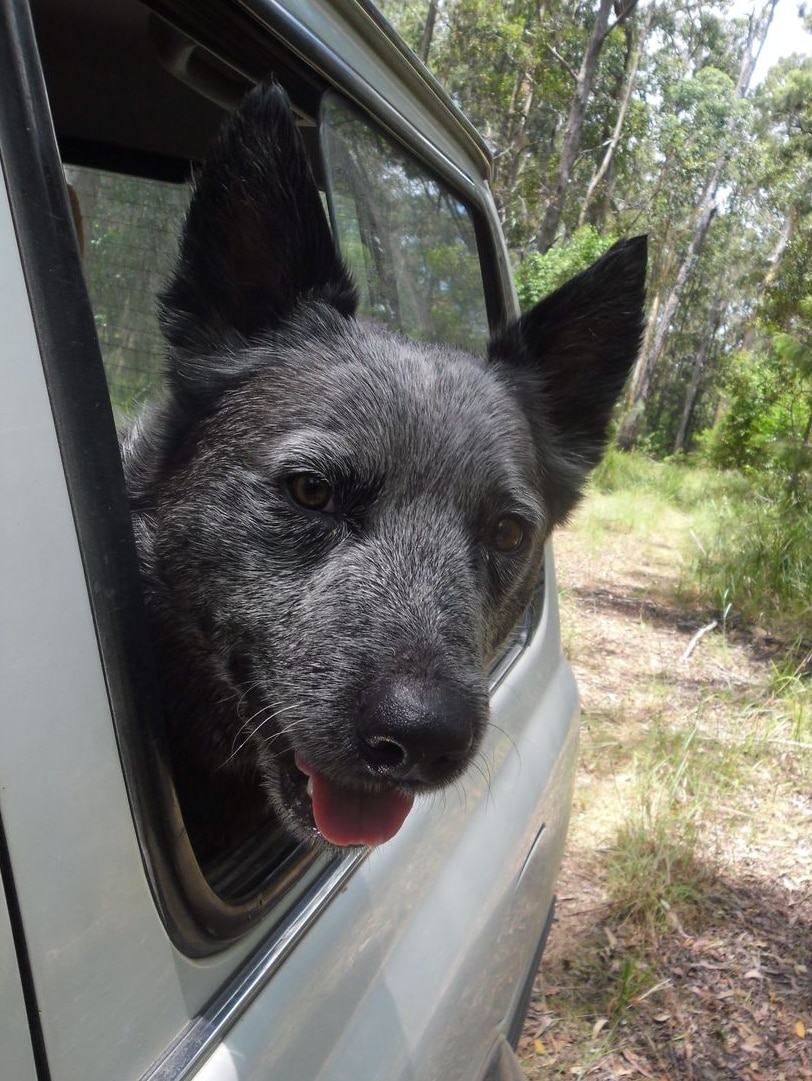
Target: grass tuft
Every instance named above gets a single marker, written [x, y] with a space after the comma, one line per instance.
[654, 877]
[756, 560]
[696, 769]
[749, 560]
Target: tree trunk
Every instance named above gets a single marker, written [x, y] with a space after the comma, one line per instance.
[650, 358]
[584, 82]
[428, 31]
[647, 361]
[697, 371]
[623, 108]
[774, 265]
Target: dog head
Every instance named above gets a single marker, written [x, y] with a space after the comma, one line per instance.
[338, 528]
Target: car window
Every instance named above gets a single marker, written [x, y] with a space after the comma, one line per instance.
[410, 243]
[408, 239]
[128, 228]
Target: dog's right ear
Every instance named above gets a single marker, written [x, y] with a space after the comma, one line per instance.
[256, 241]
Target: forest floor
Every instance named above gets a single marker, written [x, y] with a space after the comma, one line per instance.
[682, 945]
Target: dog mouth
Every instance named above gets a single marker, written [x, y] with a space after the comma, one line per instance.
[345, 816]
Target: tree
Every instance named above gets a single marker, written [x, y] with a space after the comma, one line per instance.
[584, 83]
[527, 73]
[705, 212]
[642, 120]
[637, 41]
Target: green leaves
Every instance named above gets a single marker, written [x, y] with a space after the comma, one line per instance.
[537, 274]
[697, 154]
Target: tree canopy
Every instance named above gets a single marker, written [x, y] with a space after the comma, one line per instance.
[617, 117]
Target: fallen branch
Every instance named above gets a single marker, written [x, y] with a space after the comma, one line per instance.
[700, 634]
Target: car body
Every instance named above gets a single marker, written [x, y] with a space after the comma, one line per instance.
[121, 957]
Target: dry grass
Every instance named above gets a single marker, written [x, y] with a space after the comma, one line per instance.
[683, 942]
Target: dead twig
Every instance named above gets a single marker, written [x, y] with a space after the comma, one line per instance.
[697, 638]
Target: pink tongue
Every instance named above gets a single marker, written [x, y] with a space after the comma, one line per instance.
[346, 817]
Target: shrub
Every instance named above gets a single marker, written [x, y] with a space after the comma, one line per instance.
[758, 560]
[539, 274]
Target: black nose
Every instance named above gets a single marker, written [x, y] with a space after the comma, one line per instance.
[417, 729]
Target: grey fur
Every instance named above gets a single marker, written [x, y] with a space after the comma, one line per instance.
[339, 633]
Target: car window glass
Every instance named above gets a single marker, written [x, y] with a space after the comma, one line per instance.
[128, 228]
[408, 240]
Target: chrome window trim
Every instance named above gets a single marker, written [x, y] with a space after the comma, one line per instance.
[278, 16]
[516, 646]
[204, 1032]
[524, 630]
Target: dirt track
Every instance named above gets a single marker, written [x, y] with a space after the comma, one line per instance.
[727, 995]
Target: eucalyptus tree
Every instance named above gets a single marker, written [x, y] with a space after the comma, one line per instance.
[711, 118]
[609, 119]
[767, 415]
[543, 81]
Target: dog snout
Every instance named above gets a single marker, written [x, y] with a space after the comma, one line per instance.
[417, 729]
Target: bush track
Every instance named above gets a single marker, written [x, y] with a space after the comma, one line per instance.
[710, 978]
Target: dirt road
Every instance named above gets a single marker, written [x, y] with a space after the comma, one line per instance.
[701, 966]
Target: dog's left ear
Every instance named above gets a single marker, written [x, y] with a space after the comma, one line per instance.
[569, 356]
[256, 241]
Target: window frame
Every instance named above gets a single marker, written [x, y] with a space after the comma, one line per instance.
[198, 922]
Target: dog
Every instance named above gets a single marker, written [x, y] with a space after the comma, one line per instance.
[338, 527]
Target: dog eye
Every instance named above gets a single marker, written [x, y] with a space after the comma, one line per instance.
[311, 491]
[508, 535]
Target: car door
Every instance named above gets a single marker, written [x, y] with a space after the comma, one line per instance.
[130, 959]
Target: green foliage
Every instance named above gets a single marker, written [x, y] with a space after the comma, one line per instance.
[767, 419]
[742, 437]
[757, 559]
[678, 481]
[792, 688]
[751, 539]
[512, 67]
[694, 124]
[656, 873]
[692, 148]
[537, 274]
[655, 870]
[786, 304]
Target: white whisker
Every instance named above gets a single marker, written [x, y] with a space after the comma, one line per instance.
[271, 716]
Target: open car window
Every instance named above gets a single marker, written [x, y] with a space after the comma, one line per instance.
[127, 228]
[411, 246]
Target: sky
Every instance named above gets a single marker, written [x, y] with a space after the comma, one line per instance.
[786, 35]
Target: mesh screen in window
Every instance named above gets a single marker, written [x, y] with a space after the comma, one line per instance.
[128, 229]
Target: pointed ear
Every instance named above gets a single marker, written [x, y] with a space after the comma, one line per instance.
[256, 238]
[569, 356]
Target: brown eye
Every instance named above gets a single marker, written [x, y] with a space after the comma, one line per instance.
[310, 491]
[508, 535]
